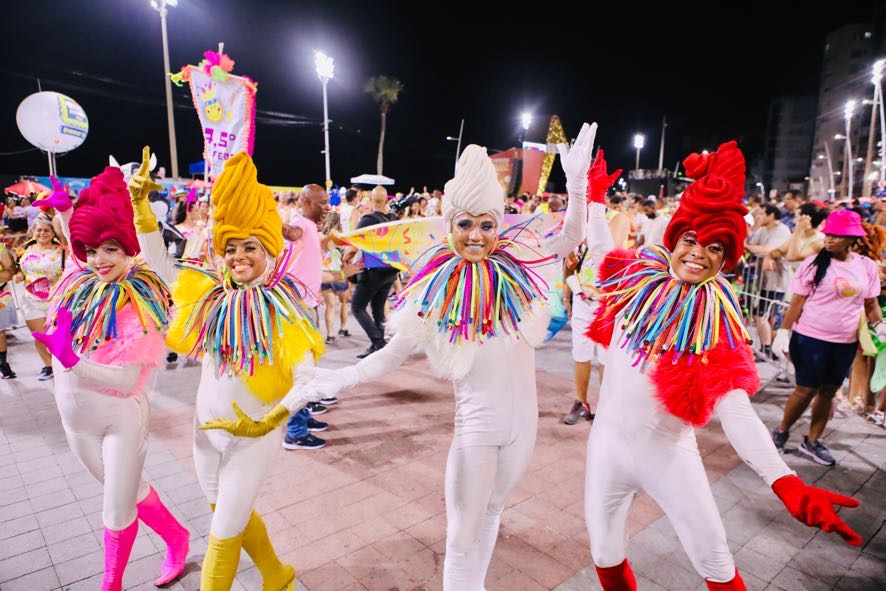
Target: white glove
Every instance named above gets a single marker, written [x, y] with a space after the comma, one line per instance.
[576, 161]
[880, 331]
[781, 343]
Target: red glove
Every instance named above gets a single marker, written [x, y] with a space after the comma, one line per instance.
[59, 341]
[814, 506]
[58, 199]
[598, 181]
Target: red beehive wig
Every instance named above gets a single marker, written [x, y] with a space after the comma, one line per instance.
[103, 212]
[711, 206]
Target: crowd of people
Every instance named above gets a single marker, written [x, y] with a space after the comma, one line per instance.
[674, 296]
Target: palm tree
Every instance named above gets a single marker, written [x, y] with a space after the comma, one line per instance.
[385, 90]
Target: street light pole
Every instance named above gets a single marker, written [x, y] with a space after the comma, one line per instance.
[461, 129]
[639, 142]
[160, 7]
[850, 107]
[325, 71]
[664, 126]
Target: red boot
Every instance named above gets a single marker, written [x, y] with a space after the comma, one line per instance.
[617, 578]
[736, 584]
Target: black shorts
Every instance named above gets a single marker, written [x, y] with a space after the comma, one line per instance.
[335, 286]
[821, 363]
[766, 303]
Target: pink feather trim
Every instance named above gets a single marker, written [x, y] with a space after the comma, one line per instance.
[691, 390]
[132, 347]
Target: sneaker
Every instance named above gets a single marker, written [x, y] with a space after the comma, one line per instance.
[306, 442]
[315, 426]
[877, 417]
[329, 401]
[45, 374]
[330, 339]
[6, 371]
[372, 349]
[316, 408]
[780, 439]
[818, 452]
[580, 412]
[172, 357]
[344, 333]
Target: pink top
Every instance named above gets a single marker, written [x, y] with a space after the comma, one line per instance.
[831, 313]
[308, 264]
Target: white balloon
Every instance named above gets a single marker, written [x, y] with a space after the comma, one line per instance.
[52, 122]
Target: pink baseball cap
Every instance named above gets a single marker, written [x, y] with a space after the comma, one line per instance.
[844, 222]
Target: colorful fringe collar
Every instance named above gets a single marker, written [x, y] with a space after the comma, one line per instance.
[94, 304]
[237, 325]
[662, 313]
[473, 301]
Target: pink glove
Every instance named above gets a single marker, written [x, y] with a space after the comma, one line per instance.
[59, 341]
[598, 181]
[814, 506]
[58, 199]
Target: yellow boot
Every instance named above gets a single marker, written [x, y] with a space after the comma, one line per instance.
[220, 563]
[276, 576]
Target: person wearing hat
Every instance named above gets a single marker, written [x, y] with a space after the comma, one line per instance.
[678, 353]
[478, 312]
[106, 335]
[833, 293]
[254, 368]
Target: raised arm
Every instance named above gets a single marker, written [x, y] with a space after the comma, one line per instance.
[149, 238]
[575, 162]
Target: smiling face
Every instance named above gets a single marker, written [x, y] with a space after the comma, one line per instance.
[43, 233]
[692, 262]
[474, 236]
[245, 259]
[107, 260]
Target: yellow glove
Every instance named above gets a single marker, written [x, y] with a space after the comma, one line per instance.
[140, 185]
[246, 426]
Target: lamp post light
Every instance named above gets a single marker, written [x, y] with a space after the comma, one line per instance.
[325, 71]
[639, 142]
[848, 111]
[160, 7]
[461, 129]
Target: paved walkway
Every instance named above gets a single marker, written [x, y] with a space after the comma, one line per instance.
[367, 511]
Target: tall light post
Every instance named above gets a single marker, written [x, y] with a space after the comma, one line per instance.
[461, 129]
[847, 115]
[664, 127]
[639, 142]
[325, 71]
[877, 78]
[160, 7]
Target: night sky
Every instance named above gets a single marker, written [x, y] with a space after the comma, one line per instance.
[712, 76]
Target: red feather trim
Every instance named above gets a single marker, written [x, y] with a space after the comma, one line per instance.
[691, 390]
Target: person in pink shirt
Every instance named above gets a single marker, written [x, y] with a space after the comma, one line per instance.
[308, 267]
[832, 293]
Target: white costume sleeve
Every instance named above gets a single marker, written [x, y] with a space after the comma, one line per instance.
[122, 379]
[749, 437]
[599, 238]
[65, 219]
[574, 225]
[155, 254]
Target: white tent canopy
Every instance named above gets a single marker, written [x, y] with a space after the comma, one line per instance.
[372, 179]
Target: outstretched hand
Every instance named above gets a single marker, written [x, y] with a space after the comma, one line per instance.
[58, 342]
[598, 180]
[141, 183]
[58, 199]
[577, 160]
[246, 426]
[815, 506]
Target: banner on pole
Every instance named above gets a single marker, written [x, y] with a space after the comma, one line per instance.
[225, 106]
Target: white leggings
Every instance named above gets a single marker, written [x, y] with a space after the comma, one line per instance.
[479, 479]
[231, 470]
[671, 472]
[109, 435]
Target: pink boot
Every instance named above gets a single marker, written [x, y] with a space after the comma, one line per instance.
[617, 578]
[118, 546]
[736, 584]
[156, 516]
